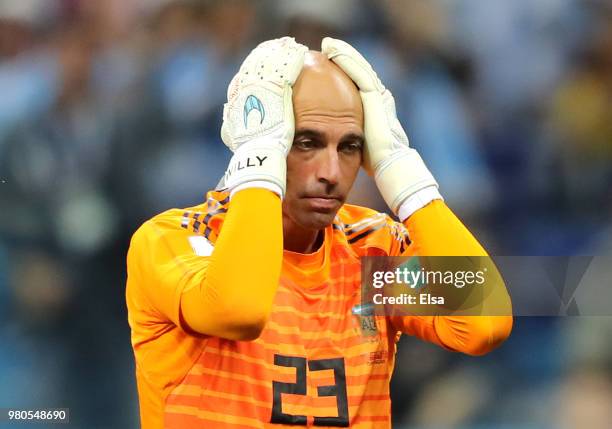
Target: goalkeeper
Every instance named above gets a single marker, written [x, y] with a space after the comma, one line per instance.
[242, 308]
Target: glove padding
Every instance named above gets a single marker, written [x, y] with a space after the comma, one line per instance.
[258, 122]
[398, 170]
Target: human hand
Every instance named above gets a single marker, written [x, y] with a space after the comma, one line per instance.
[258, 122]
[400, 174]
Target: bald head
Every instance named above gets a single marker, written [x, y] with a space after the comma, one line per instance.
[323, 89]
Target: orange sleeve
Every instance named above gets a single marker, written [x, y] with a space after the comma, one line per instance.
[435, 231]
[227, 294]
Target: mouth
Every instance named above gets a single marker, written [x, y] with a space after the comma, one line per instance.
[323, 204]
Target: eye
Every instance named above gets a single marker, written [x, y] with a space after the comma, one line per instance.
[351, 147]
[305, 144]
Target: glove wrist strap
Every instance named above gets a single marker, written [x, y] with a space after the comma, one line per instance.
[402, 177]
[417, 201]
[258, 165]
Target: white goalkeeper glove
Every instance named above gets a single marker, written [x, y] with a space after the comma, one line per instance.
[400, 174]
[258, 123]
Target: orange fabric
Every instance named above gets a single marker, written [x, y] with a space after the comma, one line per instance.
[233, 309]
[316, 356]
[436, 231]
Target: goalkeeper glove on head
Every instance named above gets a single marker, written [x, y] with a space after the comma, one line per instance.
[400, 174]
[258, 123]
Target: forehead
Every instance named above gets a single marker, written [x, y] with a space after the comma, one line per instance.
[324, 93]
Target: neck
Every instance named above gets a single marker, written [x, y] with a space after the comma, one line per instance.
[300, 240]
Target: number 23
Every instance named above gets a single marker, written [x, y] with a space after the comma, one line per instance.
[299, 388]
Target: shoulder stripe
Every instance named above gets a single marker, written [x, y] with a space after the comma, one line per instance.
[365, 234]
[365, 222]
[198, 221]
[363, 227]
[185, 219]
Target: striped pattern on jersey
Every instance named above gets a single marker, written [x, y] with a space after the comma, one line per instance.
[314, 363]
[318, 362]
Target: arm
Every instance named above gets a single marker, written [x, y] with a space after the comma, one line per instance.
[435, 230]
[235, 296]
[229, 293]
[411, 192]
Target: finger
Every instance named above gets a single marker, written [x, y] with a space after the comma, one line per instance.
[352, 63]
[277, 61]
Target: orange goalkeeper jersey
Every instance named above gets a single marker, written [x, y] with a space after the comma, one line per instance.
[321, 360]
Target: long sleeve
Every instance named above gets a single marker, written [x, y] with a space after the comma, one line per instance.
[434, 230]
[226, 292]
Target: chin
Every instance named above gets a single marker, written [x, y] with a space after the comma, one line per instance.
[318, 221]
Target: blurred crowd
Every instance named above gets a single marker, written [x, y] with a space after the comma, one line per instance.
[110, 112]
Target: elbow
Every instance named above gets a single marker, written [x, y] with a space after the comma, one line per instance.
[247, 329]
[246, 322]
[488, 334]
[473, 335]
[246, 316]
[232, 319]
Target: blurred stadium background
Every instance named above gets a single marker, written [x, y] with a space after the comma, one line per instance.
[110, 112]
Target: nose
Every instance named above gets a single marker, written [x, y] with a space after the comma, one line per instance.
[328, 170]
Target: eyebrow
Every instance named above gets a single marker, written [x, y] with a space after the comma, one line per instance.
[314, 134]
[307, 132]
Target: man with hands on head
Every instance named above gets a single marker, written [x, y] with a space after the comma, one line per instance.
[242, 308]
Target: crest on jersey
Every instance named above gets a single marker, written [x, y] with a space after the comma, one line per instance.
[253, 103]
[365, 317]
